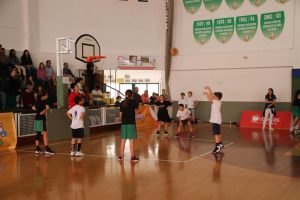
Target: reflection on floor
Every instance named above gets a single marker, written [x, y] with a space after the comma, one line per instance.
[255, 165]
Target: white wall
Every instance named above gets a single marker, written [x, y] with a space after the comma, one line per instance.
[121, 27]
[12, 32]
[224, 67]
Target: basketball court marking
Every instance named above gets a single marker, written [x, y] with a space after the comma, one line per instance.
[68, 141]
[206, 153]
[114, 157]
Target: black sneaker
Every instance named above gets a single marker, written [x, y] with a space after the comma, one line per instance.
[38, 150]
[135, 159]
[120, 158]
[165, 133]
[217, 149]
[177, 135]
[49, 151]
[157, 132]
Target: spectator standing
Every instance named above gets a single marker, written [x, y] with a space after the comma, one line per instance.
[48, 70]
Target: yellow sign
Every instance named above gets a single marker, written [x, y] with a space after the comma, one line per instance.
[144, 118]
[8, 134]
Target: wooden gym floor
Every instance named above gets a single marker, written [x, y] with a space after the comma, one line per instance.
[255, 165]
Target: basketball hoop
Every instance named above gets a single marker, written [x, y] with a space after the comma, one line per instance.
[94, 58]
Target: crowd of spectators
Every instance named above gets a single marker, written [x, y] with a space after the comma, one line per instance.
[21, 82]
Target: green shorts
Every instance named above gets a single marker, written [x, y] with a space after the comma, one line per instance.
[39, 126]
[128, 131]
[296, 111]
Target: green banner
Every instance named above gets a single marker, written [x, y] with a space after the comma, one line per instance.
[282, 1]
[192, 6]
[203, 30]
[272, 24]
[246, 27]
[212, 5]
[257, 2]
[224, 29]
[234, 4]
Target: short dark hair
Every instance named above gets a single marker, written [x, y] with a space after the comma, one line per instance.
[129, 93]
[219, 95]
[77, 99]
[118, 97]
[182, 93]
[181, 105]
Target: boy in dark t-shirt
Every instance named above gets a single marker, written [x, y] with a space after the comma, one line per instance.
[40, 125]
[128, 128]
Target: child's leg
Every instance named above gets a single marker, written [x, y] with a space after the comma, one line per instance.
[266, 117]
[73, 144]
[218, 139]
[270, 119]
[37, 139]
[179, 127]
[131, 148]
[295, 121]
[166, 127]
[78, 144]
[190, 126]
[123, 141]
[45, 138]
[159, 126]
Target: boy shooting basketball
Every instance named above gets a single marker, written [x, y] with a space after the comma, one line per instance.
[215, 117]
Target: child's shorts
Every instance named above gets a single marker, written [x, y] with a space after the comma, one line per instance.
[184, 122]
[128, 131]
[78, 133]
[216, 128]
[39, 126]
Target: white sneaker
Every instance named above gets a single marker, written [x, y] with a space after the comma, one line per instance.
[291, 129]
[72, 153]
[271, 129]
[79, 153]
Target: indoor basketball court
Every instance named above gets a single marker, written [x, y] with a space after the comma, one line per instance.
[149, 99]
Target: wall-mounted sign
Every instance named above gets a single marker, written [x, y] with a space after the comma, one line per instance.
[257, 2]
[272, 24]
[192, 6]
[246, 27]
[282, 1]
[134, 62]
[234, 4]
[212, 5]
[203, 30]
[224, 29]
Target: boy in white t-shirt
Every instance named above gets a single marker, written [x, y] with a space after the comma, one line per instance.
[76, 114]
[215, 117]
[183, 116]
[182, 100]
[191, 105]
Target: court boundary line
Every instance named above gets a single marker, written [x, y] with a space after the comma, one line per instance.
[67, 141]
[206, 153]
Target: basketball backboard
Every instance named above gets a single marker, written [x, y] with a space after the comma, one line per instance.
[86, 46]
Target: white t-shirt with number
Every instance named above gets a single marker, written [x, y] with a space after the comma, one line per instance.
[76, 112]
[184, 114]
[191, 102]
[215, 114]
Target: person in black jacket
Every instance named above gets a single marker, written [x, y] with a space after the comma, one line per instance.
[12, 90]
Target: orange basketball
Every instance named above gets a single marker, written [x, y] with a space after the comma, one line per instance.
[174, 51]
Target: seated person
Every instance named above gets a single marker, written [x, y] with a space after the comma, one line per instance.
[67, 72]
[118, 101]
[28, 96]
[97, 96]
